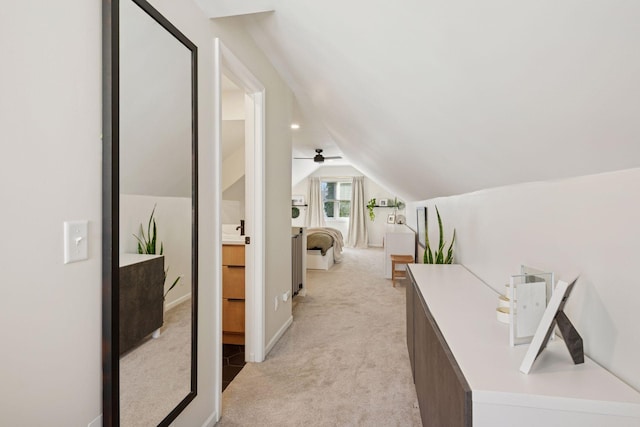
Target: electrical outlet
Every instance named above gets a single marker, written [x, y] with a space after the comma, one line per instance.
[275, 307]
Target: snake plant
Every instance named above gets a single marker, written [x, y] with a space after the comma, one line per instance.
[147, 244]
[439, 256]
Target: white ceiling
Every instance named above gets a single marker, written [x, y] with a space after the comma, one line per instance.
[440, 98]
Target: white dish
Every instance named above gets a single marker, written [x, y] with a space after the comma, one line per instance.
[503, 301]
[509, 292]
[502, 314]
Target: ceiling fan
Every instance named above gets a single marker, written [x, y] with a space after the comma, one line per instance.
[319, 158]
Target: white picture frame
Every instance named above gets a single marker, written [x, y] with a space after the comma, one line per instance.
[391, 219]
[546, 325]
[382, 202]
[528, 300]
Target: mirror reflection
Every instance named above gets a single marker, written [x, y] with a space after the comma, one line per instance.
[156, 212]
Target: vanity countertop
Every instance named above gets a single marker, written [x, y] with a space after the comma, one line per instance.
[232, 239]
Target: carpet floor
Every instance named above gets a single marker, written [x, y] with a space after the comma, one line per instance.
[343, 361]
[156, 375]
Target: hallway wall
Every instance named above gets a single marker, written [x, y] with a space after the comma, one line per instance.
[50, 169]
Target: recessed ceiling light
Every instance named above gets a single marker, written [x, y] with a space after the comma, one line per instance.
[295, 126]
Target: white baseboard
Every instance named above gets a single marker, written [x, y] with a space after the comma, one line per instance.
[211, 421]
[177, 302]
[278, 335]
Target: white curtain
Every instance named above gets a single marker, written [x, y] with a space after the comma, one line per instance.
[315, 214]
[358, 237]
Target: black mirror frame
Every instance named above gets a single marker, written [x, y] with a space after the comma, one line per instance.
[111, 205]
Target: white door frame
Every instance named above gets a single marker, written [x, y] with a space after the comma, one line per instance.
[225, 61]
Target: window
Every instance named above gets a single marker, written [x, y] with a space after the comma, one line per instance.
[336, 197]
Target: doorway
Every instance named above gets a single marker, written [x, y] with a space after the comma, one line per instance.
[249, 169]
[236, 134]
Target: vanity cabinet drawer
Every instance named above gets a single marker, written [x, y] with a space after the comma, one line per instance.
[233, 315]
[233, 255]
[232, 282]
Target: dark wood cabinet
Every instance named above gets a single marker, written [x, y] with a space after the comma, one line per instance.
[141, 299]
[410, 292]
[443, 393]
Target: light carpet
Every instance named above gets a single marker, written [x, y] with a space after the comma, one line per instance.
[156, 375]
[343, 361]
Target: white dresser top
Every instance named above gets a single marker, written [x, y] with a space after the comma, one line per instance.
[128, 259]
[398, 228]
[464, 309]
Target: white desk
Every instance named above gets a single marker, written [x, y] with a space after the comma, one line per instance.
[398, 240]
[555, 393]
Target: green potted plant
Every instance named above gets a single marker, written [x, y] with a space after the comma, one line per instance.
[398, 204]
[147, 245]
[438, 257]
[370, 206]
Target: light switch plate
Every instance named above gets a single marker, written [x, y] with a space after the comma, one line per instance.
[76, 245]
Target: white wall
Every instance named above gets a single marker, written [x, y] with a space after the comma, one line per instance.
[233, 104]
[585, 226]
[277, 180]
[155, 108]
[233, 168]
[372, 189]
[50, 170]
[230, 212]
[233, 120]
[236, 193]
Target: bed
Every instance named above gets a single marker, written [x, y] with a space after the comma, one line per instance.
[324, 247]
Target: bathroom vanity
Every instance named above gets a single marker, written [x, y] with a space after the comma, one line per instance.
[233, 292]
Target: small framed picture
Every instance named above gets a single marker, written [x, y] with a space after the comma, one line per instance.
[391, 219]
[382, 202]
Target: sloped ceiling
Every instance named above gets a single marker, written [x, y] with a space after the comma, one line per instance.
[155, 108]
[441, 98]
[232, 118]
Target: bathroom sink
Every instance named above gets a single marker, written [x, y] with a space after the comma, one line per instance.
[232, 239]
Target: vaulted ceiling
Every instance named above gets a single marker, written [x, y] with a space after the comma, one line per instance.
[440, 98]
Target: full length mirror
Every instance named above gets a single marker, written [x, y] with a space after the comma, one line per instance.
[151, 342]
